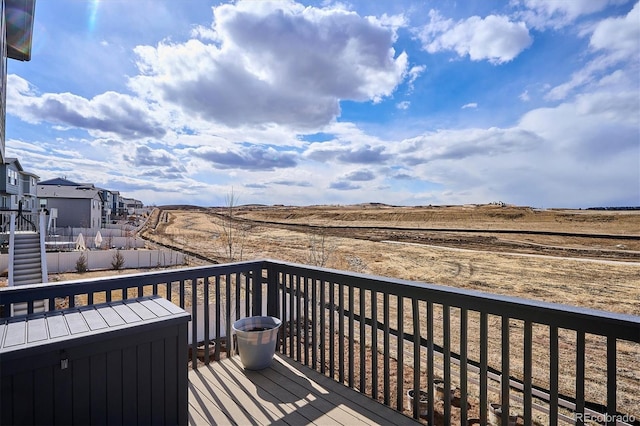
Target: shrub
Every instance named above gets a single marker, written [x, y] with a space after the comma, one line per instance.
[118, 260]
[81, 264]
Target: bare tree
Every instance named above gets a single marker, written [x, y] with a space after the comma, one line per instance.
[233, 233]
[321, 247]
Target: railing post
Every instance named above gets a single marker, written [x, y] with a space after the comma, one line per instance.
[12, 241]
[43, 251]
[272, 292]
[256, 291]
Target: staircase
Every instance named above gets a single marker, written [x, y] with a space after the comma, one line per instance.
[26, 262]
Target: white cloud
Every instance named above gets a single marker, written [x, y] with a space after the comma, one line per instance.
[616, 42]
[620, 34]
[107, 113]
[541, 14]
[524, 96]
[261, 69]
[494, 38]
[404, 105]
[472, 105]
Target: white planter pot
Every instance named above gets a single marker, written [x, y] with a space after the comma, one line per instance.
[495, 416]
[257, 338]
[423, 408]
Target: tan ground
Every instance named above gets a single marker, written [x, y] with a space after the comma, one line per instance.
[427, 244]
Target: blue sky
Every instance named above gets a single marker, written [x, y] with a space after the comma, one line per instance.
[528, 102]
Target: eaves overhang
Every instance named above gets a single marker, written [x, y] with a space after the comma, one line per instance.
[19, 24]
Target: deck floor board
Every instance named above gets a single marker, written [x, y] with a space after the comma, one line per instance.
[286, 393]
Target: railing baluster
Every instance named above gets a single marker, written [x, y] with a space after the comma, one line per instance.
[463, 367]
[299, 317]
[446, 336]
[292, 314]
[553, 375]
[505, 373]
[194, 324]
[611, 381]
[283, 311]
[484, 339]
[206, 316]
[374, 344]
[314, 320]
[416, 357]
[247, 293]
[528, 371]
[352, 337]
[332, 331]
[341, 333]
[182, 293]
[363, 368]
[400, 355]
[238, 296]
[386, 351]
[580, 364]
[306, 321]
[323, 316]
[228, 321]
[430, 365]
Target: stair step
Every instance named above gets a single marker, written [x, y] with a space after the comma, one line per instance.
[23, 252]
[24, 244]
[32, 278]
[26, 268]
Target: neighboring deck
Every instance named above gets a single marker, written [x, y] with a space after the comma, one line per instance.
[223, 393]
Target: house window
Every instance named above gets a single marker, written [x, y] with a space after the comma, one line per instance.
[12, 177]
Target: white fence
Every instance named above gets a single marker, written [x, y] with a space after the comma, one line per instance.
[60, 262]
[69, 243]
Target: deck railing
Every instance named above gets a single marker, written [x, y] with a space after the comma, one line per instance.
[541, 361]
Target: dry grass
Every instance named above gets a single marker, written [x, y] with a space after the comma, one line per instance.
[496, 263]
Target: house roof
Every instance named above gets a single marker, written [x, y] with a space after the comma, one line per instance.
[58, 182]
[75, 192]
[12, 160]
[19, 25]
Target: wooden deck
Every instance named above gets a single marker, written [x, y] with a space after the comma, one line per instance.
[287, 393]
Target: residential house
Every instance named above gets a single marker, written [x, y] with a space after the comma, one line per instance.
[78, 205]
[107, 206]
[18, 188]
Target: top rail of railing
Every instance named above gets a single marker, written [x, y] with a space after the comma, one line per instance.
[611, 324]
[592, 321]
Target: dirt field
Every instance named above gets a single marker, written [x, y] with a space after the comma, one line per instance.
[577, 257]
